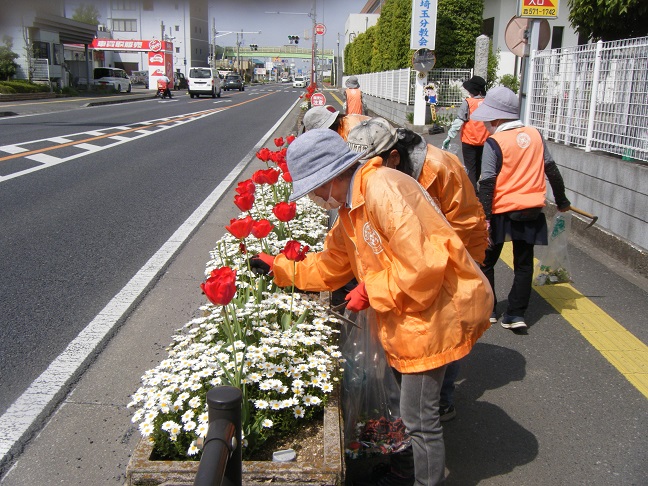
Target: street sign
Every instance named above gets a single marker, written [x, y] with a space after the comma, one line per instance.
[538, 9]
[318, 99]
[320, 29]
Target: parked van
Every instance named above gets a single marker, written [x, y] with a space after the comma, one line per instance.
[204, 80]
[115, 77]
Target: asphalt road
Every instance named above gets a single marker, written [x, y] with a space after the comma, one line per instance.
[543, 407]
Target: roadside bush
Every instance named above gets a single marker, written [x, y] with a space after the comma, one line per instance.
[511, 82]
[69, 91]
[21, 86]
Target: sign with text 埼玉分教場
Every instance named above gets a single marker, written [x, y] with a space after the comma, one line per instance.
[423, 30]
[538, 9]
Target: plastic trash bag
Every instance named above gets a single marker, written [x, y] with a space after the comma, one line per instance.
[371, 394]
[553, 266]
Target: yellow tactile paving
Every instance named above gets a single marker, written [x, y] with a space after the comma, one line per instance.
[621, 348]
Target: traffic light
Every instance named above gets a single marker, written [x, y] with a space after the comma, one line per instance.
[294, 39]
[254, 47]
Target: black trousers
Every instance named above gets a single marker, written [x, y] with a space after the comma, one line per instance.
[472, 158]
[518, 298]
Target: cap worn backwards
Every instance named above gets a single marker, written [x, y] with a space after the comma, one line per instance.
[372, 137]
[316, 157]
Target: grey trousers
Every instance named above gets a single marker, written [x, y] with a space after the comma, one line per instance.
[419, 402]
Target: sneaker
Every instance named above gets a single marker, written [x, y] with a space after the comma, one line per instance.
[447, 412]
[513, 322]
[493, 318]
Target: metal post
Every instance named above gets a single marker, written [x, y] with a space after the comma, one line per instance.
[593, 95]
[223, 440]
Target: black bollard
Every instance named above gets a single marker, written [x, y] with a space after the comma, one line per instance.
[222, 458]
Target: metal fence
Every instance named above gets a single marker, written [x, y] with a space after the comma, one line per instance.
[399, 85]
[593, 96]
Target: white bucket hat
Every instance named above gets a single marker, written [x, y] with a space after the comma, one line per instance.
[320, 117]
[500, 103]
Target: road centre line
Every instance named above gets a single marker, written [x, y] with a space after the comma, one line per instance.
[150, 128]
[627, 353]
[23, 413]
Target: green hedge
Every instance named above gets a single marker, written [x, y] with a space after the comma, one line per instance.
[10, 87]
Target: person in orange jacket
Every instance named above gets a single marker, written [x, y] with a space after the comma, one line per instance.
[431, 300]
[473, 132]
[328, 117]
[353, 102]
[512, 191]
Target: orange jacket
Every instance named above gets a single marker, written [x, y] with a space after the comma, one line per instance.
[446, 180]
[353, 98]
[521, 181]
[431, 300]
[347, 122]
[473, 132]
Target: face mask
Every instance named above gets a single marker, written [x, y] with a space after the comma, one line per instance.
[329, 203]
[489, 127]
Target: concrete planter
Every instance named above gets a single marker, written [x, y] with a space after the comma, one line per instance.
[330, 471]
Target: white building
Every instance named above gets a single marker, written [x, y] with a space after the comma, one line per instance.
[358, 24]
[182, 22]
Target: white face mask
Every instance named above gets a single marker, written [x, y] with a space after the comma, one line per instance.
[329, 203]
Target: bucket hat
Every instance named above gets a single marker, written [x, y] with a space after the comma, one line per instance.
[372, 137]
[352, 82]
[320, 117]
[316, 157]
[500, 103]
[475, 85]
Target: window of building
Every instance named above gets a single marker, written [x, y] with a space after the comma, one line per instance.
[557, 37]
[41, 50]
[488, 27]
[123, 5]
[147, 5]
[124, 25]
[177, 28]
[177, 50]
[582, 39]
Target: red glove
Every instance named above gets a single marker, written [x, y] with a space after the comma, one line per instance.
[262, 263]
[357, 299]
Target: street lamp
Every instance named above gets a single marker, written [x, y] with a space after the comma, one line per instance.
[337, 63]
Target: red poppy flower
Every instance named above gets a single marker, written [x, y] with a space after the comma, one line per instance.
[285, 211]
[245, 187]
[240, 228]
[242, 248]
[266, 176]
[294, 251]
[263, 154]
[261, 228]
[279, 142]
[244, 201]
[220, 287]
[286, 176]
[283, 166]
[290, 139]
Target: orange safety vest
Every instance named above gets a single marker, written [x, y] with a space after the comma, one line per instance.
[520, 183]
[353, 101]
[473, 132]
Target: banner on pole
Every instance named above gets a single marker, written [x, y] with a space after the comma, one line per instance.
[424, 17]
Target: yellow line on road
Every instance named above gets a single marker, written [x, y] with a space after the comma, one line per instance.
[621, 348]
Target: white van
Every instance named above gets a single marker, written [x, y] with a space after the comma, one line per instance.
[115, 77]
[204, 80]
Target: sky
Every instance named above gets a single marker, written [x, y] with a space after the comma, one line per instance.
[250, 16]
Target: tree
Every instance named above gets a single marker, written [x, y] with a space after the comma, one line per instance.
[8, 66]
[391, 49]
[86, 13]
[458, 26]
[609, 20]
[357, 55]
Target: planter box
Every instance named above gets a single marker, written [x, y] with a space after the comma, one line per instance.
[330, 471]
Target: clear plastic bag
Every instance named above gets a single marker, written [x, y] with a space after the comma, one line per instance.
[553, 266]
[371, 394]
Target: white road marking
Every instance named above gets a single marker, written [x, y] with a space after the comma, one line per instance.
[23, 413]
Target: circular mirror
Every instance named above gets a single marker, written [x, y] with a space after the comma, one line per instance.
[423, 60]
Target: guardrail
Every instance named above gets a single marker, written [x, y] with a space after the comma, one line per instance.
[222, 458]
